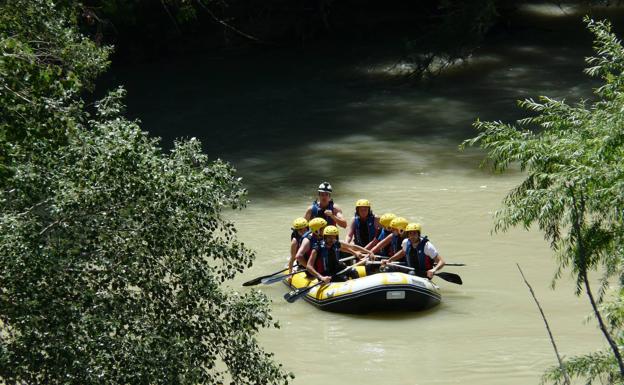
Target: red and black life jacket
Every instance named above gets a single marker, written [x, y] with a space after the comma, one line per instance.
[327, 258]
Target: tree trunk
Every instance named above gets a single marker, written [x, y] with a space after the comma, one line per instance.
[577, 215]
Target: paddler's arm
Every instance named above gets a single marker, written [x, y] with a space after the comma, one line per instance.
[356, 250]
[308, 213]
[313, 271]
[305, 246]
[438, 265]
[398, 255]
[336, 215]
[293, 254]
[382, 244]
[351, 232]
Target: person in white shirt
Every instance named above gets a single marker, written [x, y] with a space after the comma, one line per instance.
[418, 253]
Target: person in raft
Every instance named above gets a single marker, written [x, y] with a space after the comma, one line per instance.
[324, 260]
[418, 253]
[391, 244]
[299, 229]
[364, 226]
[308, 241]
[384, 224]
[324, 207]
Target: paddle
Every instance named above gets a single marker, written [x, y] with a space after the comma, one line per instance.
[382, 257]
[257, 280]
[277, 278]
[451, 277]
[294, 295]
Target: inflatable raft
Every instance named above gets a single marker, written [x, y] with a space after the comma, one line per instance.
[378, 292]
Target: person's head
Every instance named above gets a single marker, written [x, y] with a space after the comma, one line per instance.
[398, 224]
[386, 219]
[317, 224]
[324, 193]
[413, 231]
[300, 225]
[330, 235]
[362, 208]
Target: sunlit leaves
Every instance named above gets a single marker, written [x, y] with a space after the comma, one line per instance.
[112, 251]
[573, 159]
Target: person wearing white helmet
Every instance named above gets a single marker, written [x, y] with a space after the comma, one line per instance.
[418, 253]
[364, 226]
[324, 207]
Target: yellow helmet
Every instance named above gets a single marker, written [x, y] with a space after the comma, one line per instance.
[330, 230]
[398, 223]
[386, 219]
[413, 227]
[362, 203]
[299, 223]
[317, 223]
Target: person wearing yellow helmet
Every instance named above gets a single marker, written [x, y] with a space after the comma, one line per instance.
[324, 260]
[324, 207]
[418, 252]
[384, 232]
[392, 242]
[364, 225]
[299, 228]
[308, 240]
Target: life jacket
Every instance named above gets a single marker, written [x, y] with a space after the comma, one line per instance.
[368, 230]
[318, 212]
[327, 258]
[295, 235]
[314, 240]
[395, 245]
[415, 256]
[382, 235]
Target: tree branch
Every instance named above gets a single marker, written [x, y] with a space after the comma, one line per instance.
[552, 339]
[577, 212]
[226, 25]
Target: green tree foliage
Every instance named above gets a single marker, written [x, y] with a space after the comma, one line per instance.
[574, 191]
[112, 252]
[44, 66]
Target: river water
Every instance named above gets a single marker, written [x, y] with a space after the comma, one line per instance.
[289, 119]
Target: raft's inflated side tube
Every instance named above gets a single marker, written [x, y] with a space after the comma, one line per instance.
[375, 293]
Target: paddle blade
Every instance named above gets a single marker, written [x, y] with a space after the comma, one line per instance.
[276, 278]
[253, 282]
[294, 295]
[451, 277]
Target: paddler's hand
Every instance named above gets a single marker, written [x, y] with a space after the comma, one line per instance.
[384, 262]
[328, 213]
[430, 273]
[325, 279]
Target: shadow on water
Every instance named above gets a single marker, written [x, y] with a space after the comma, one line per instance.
[290, 118]
[397, 316]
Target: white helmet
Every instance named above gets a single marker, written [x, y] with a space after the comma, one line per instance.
[325, 187]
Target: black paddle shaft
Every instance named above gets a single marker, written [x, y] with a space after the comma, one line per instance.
[450, 277]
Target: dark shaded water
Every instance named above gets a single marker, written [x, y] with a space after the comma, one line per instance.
[289, 119]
